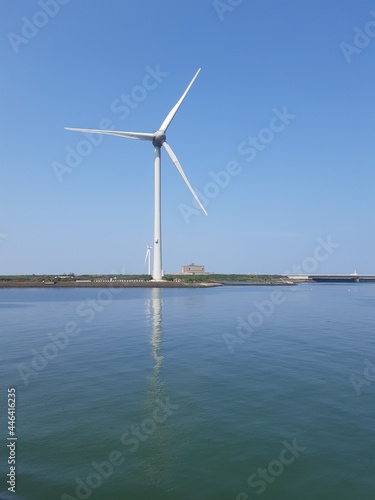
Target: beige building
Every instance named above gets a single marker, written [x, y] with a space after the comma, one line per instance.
[192, 269]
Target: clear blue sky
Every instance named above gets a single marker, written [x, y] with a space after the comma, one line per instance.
[312, 177]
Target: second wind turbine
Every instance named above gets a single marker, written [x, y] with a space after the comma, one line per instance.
[158, 140]
[147, 258]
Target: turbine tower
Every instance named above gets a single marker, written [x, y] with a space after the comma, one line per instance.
[158, 140]
[148, 257]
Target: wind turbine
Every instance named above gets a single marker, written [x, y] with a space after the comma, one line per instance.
[148, 256]
[158, 140]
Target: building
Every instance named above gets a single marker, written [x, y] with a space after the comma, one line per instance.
[192, 269]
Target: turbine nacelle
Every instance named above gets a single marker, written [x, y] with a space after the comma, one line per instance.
[158, 138]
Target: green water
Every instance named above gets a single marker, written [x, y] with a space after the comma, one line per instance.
[225, 393]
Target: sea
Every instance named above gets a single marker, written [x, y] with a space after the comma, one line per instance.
[225, 393]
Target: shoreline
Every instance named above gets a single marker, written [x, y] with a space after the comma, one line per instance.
[144, 284]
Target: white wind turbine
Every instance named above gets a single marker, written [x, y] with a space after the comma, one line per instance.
[158, 140]
[148, 257]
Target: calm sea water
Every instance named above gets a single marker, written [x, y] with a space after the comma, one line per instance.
[227, 393]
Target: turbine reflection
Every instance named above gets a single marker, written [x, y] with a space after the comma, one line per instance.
[156, 338]
[156, 457]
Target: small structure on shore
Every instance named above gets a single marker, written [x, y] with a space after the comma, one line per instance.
[192, 269]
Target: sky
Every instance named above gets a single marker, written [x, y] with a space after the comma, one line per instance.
[276, 135]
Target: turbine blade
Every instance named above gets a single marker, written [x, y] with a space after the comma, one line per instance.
[147, 253]
[173, 111]
[128, 135]
[179, 168]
